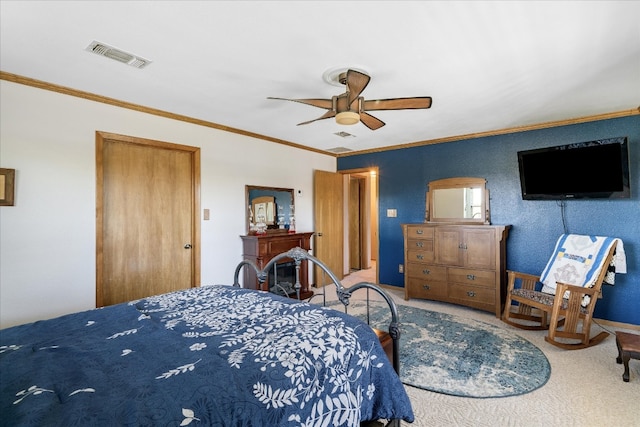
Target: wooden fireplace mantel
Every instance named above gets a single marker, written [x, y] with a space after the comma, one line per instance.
[260, 248]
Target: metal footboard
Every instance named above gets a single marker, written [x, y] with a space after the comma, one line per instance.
[344, 294]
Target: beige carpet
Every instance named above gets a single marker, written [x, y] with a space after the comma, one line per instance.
[585, 388]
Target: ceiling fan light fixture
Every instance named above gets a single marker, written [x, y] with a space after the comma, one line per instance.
[347, 118]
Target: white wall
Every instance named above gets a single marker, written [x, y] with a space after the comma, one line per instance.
[47, 240]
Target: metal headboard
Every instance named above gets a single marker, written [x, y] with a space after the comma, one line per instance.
[344, 294]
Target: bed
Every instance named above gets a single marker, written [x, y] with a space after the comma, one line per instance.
[214, 355]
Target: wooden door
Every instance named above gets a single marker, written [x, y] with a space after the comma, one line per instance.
[355, 221]
[147, 218]
[448, 246]
[480, 248]
[329, 222]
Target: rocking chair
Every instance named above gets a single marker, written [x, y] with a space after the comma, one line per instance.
[568, 313]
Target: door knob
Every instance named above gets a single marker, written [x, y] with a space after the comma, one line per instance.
[188, 246]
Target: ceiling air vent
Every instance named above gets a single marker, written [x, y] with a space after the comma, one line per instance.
[339, 150]
[111, 52]
[344, 134]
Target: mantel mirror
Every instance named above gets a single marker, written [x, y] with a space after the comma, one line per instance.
[460, 200]
[269, 209]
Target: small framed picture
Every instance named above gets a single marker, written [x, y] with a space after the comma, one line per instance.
[7, 186]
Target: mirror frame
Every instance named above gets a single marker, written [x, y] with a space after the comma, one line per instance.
[460, 182]
[271, 228]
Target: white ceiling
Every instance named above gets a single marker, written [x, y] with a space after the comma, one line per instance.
[488, 65]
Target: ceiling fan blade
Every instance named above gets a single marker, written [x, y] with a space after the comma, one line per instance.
[371, 122]
[315, 102]
[326, 115]
[356, 82]
[398, 104]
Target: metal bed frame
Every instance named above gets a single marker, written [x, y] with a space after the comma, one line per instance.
[298, 255]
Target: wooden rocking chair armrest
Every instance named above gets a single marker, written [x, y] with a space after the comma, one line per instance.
[527, 280]
[561, 288]
[519, 275]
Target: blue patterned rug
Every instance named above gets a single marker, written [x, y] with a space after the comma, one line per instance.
[461, 357]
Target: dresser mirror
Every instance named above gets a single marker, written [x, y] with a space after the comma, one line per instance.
[272, 206]
[460, 200]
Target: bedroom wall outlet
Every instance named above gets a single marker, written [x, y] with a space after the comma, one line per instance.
[205, 214]
[392, 213]
[400, 268]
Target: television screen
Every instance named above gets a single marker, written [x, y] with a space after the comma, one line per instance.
[587, 170]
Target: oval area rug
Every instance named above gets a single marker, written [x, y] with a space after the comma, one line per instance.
[459, 356]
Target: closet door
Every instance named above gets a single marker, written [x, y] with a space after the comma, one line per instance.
[147, 218]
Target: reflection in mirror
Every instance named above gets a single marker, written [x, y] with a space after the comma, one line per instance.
[462, 200]
[269, 209]
[263, 209]
[457, 203]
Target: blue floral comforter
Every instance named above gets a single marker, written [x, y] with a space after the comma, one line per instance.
[214, 356]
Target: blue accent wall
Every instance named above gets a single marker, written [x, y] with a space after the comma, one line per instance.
[536, 225]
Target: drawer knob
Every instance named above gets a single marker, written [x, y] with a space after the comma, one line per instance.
[471, 294]
[419, 231]
[426, 287]
[471, 277]
[426, 271]
[420, 256]
[419, 244]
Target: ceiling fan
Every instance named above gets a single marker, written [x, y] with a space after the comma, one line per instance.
[349, 108]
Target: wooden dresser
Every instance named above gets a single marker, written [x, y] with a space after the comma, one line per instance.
[460, 264]
[260, 248]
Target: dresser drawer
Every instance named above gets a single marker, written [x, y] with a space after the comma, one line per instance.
[420, 244]
[431, 272]
[426, 288]
[474, 277]
[417, 255]
[473, 294]
[419, 232]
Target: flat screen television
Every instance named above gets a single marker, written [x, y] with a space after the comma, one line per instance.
[586, 170]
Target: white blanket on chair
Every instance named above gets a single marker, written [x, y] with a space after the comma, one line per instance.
[578, 260]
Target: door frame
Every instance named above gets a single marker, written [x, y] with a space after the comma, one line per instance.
[101, 138]
[374, 243]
